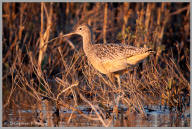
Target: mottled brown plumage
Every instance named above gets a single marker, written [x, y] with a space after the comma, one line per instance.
[110, 58]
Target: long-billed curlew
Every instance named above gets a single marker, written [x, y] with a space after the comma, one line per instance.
[110, 59]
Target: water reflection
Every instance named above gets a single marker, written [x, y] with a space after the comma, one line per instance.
[156, 116]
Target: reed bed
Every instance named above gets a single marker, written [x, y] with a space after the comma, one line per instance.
[57, 70]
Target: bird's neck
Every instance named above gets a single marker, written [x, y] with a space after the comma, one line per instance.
[87, 42]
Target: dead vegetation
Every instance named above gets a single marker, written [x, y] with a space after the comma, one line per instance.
[35, 70]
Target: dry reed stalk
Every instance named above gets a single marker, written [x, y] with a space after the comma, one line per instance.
[136, 97]
[180, 10]
[148, 19]
[25, 83]
[94, 108]
[21, 26]
[126, 16]
[105, 23]
[139, 22]
[10, 49]
[24, 86]
[148, 15]
[40, 78]
[159, 16]
[161, 31]
[41, 36]
[44, 37]
[64, 84]
[12, 88]
[67, 8]
[180, 74]
[166, 15]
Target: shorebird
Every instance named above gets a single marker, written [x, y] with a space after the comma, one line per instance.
[110, 59]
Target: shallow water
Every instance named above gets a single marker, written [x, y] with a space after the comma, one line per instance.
[22, 111]
[156, 117]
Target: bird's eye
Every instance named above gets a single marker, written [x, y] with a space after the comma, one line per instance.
[80, 28]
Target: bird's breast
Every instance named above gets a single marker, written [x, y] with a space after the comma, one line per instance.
[106, 67]
[97, 64]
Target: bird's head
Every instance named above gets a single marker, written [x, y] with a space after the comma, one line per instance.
[82, 30]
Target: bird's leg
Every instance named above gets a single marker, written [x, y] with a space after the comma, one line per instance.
[121, 93]
[116, 96]
[119, 83]
[118, 80]
[111, 78]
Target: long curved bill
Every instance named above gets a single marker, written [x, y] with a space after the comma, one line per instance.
[66, 35]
